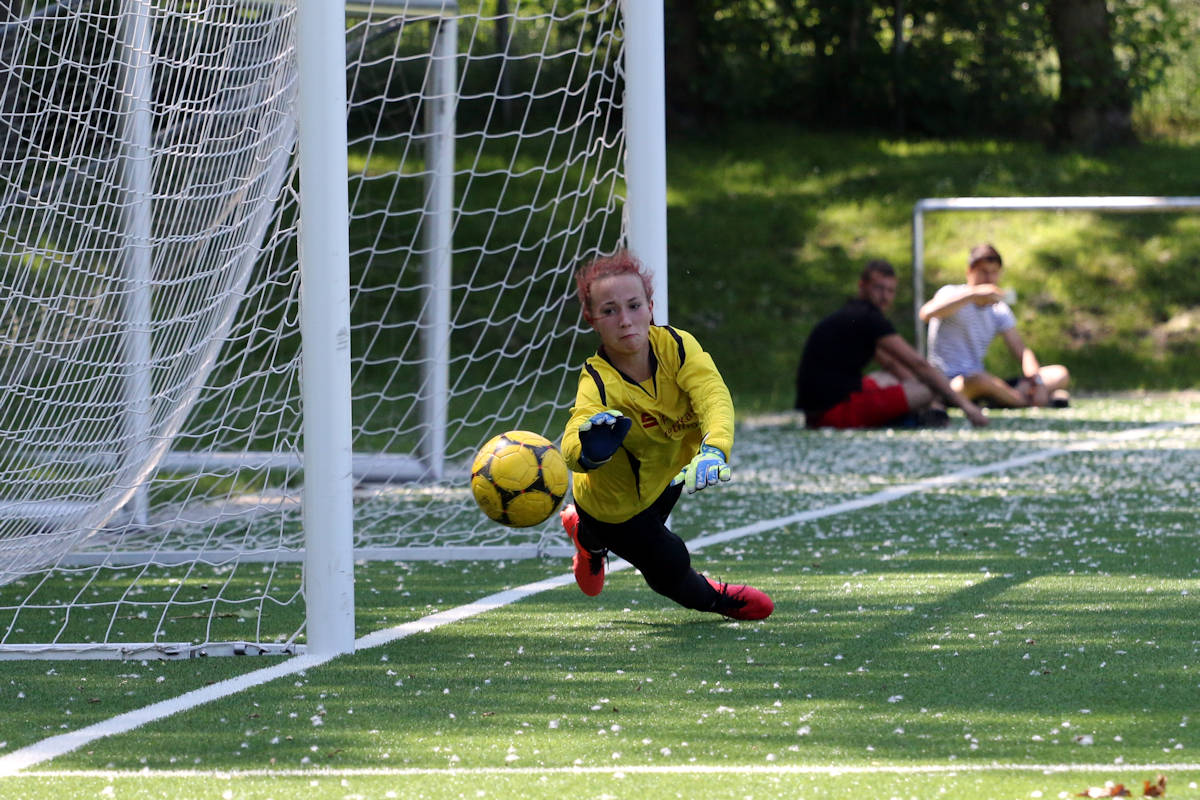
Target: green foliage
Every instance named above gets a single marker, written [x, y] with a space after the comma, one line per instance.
[768, 228]
[944, 68]
[1169, 103]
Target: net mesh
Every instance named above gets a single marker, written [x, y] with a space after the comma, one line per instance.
[150, 437]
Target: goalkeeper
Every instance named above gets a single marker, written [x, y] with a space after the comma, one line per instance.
[651, 418]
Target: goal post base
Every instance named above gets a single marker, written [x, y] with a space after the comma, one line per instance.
[142, 651]
[161, 558]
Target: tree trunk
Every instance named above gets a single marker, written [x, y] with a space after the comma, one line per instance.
[839, 47]
[1094, 108]
[685, 102]
[899, 79]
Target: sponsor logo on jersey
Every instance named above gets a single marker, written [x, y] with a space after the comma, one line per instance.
[648, 421]
[687, 421]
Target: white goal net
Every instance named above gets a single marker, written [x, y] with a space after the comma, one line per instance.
[151, 454]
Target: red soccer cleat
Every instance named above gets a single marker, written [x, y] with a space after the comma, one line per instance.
[741, 602]
[587, 565]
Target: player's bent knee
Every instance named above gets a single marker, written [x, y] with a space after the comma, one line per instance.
[1055, 376]
[917, 394]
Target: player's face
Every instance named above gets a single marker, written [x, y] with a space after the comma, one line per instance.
[621, 314]
[879, 290]
[985, 271]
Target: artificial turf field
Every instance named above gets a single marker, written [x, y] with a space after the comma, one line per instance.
[999, 613]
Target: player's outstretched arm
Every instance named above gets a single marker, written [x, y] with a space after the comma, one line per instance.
[600, 435]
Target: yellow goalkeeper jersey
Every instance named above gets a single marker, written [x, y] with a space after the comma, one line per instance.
[673, 411]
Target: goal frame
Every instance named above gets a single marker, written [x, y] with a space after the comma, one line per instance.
[1113, 203]
[329, 463]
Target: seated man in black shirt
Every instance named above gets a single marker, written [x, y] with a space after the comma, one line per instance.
[830, 386]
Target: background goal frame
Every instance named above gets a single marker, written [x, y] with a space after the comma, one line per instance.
[929, 205]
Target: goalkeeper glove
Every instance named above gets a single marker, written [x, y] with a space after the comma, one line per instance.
[705, 469]
[600, 435]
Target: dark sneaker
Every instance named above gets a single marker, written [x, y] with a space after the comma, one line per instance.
[741, 602]
[933, 418]
[588, 565]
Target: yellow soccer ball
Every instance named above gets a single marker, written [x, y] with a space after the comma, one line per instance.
[519, 478]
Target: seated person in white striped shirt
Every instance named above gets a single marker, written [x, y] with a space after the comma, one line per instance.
[965, 318]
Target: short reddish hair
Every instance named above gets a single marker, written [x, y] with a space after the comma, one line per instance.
[621, 262]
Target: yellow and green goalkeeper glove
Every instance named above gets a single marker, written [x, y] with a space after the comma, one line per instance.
[705, 469]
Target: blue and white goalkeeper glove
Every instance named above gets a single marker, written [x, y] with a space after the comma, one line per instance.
[600, 435]
[705, 469]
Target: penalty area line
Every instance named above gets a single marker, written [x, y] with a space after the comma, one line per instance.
[39, 752]
[636, 769]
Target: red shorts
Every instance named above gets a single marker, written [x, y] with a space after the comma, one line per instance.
[870, 406]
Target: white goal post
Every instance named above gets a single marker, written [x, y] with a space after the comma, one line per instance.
[1114, 203]
[270, 273]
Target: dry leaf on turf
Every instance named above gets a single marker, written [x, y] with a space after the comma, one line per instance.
[1156, 789]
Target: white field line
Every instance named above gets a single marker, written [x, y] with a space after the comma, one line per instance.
[615, 771]
[64, 743]
[896, 492]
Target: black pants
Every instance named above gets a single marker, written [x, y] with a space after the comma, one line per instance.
[662, 557]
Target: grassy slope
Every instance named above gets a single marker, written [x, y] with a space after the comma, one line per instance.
[769, 226]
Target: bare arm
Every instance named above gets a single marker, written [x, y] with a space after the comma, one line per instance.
[947, 304]
[1030, 367]
[893, 366]
[894, 346]
[1025, 356]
